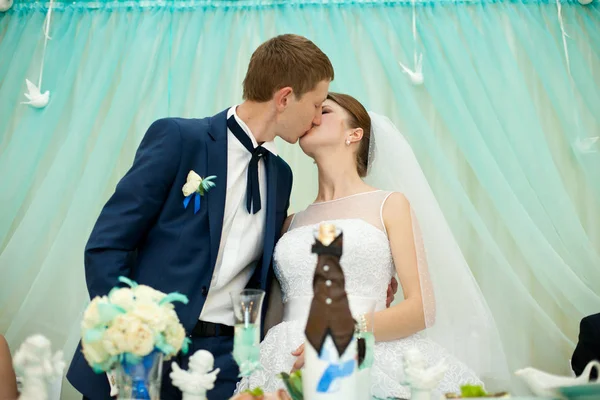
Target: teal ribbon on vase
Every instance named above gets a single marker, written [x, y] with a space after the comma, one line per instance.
[369, 343]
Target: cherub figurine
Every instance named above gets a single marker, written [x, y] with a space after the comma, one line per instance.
[197, 380]
[422, 380]
[5, 5]
[37, 367]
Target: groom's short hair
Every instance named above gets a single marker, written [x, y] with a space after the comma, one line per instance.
[285, 60]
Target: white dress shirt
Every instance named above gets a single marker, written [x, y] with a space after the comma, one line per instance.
[243, 233]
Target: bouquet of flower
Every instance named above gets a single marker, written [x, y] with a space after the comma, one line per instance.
[131, 323]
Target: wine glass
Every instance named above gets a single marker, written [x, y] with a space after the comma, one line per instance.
[247, 310]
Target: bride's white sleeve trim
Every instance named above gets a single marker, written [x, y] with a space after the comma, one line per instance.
[387, 196]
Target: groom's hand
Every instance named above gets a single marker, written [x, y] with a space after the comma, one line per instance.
[299, 352]
[392, 289]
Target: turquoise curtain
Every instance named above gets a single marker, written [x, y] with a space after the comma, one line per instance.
[503, 131]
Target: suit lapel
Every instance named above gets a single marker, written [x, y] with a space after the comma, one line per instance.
[269, 240]
[216, 156]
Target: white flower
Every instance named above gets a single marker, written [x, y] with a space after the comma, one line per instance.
[146, 294]
[115, 338]
[123, 298]
[113, 345]
[91, 317]
[141, 339]
[95, 353]
[193, 183]
[170, 314]
[128, 334]
[152, 314]
[175, 335]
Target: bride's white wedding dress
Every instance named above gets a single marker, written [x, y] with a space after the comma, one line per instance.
[368, 267]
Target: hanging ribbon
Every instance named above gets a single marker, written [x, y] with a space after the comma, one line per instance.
[564, 35]
[196, 196]
[586, 144]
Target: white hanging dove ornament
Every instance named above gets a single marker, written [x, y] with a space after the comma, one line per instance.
[416, 76]
[36, 98]
[5, 5]
[586, 145]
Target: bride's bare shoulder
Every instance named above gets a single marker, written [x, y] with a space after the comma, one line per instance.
[396, 209]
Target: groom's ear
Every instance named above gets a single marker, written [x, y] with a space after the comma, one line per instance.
[282, 97]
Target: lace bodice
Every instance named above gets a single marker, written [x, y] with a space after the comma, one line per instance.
[367, 260]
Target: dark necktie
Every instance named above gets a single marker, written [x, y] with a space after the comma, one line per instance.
[253, 204]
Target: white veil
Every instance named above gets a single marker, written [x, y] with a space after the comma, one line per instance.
[456, 313]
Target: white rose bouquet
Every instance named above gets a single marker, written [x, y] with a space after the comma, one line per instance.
[131, 323]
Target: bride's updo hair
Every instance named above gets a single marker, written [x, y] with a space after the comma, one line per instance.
[358, 118]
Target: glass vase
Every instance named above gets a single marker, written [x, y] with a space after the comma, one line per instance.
[140, 380]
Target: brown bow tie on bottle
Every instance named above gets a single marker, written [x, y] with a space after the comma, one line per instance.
[329, 310]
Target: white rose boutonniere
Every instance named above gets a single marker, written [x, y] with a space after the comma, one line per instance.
[196, 186]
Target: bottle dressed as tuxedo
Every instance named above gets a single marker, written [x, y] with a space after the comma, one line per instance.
[330, 348]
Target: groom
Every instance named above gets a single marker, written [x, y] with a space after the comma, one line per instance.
[224, 244]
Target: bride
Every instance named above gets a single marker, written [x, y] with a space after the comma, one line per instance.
[442, 314]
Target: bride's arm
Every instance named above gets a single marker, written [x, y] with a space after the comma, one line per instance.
[407, 317]
[275, 306]
[8, 381]
[287, 223]
[274, 314]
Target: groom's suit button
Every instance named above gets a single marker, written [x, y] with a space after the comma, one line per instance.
[204, 290]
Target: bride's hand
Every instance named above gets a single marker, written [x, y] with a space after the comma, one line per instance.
[299, 352]
[392, 289]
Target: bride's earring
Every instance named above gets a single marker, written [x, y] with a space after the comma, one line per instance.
[347, 142]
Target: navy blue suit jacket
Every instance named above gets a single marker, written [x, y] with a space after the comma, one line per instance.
[588, 347]
[145, 233]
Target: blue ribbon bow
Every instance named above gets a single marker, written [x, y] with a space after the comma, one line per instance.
[333, 372]
[205, 185]
[186, 201]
